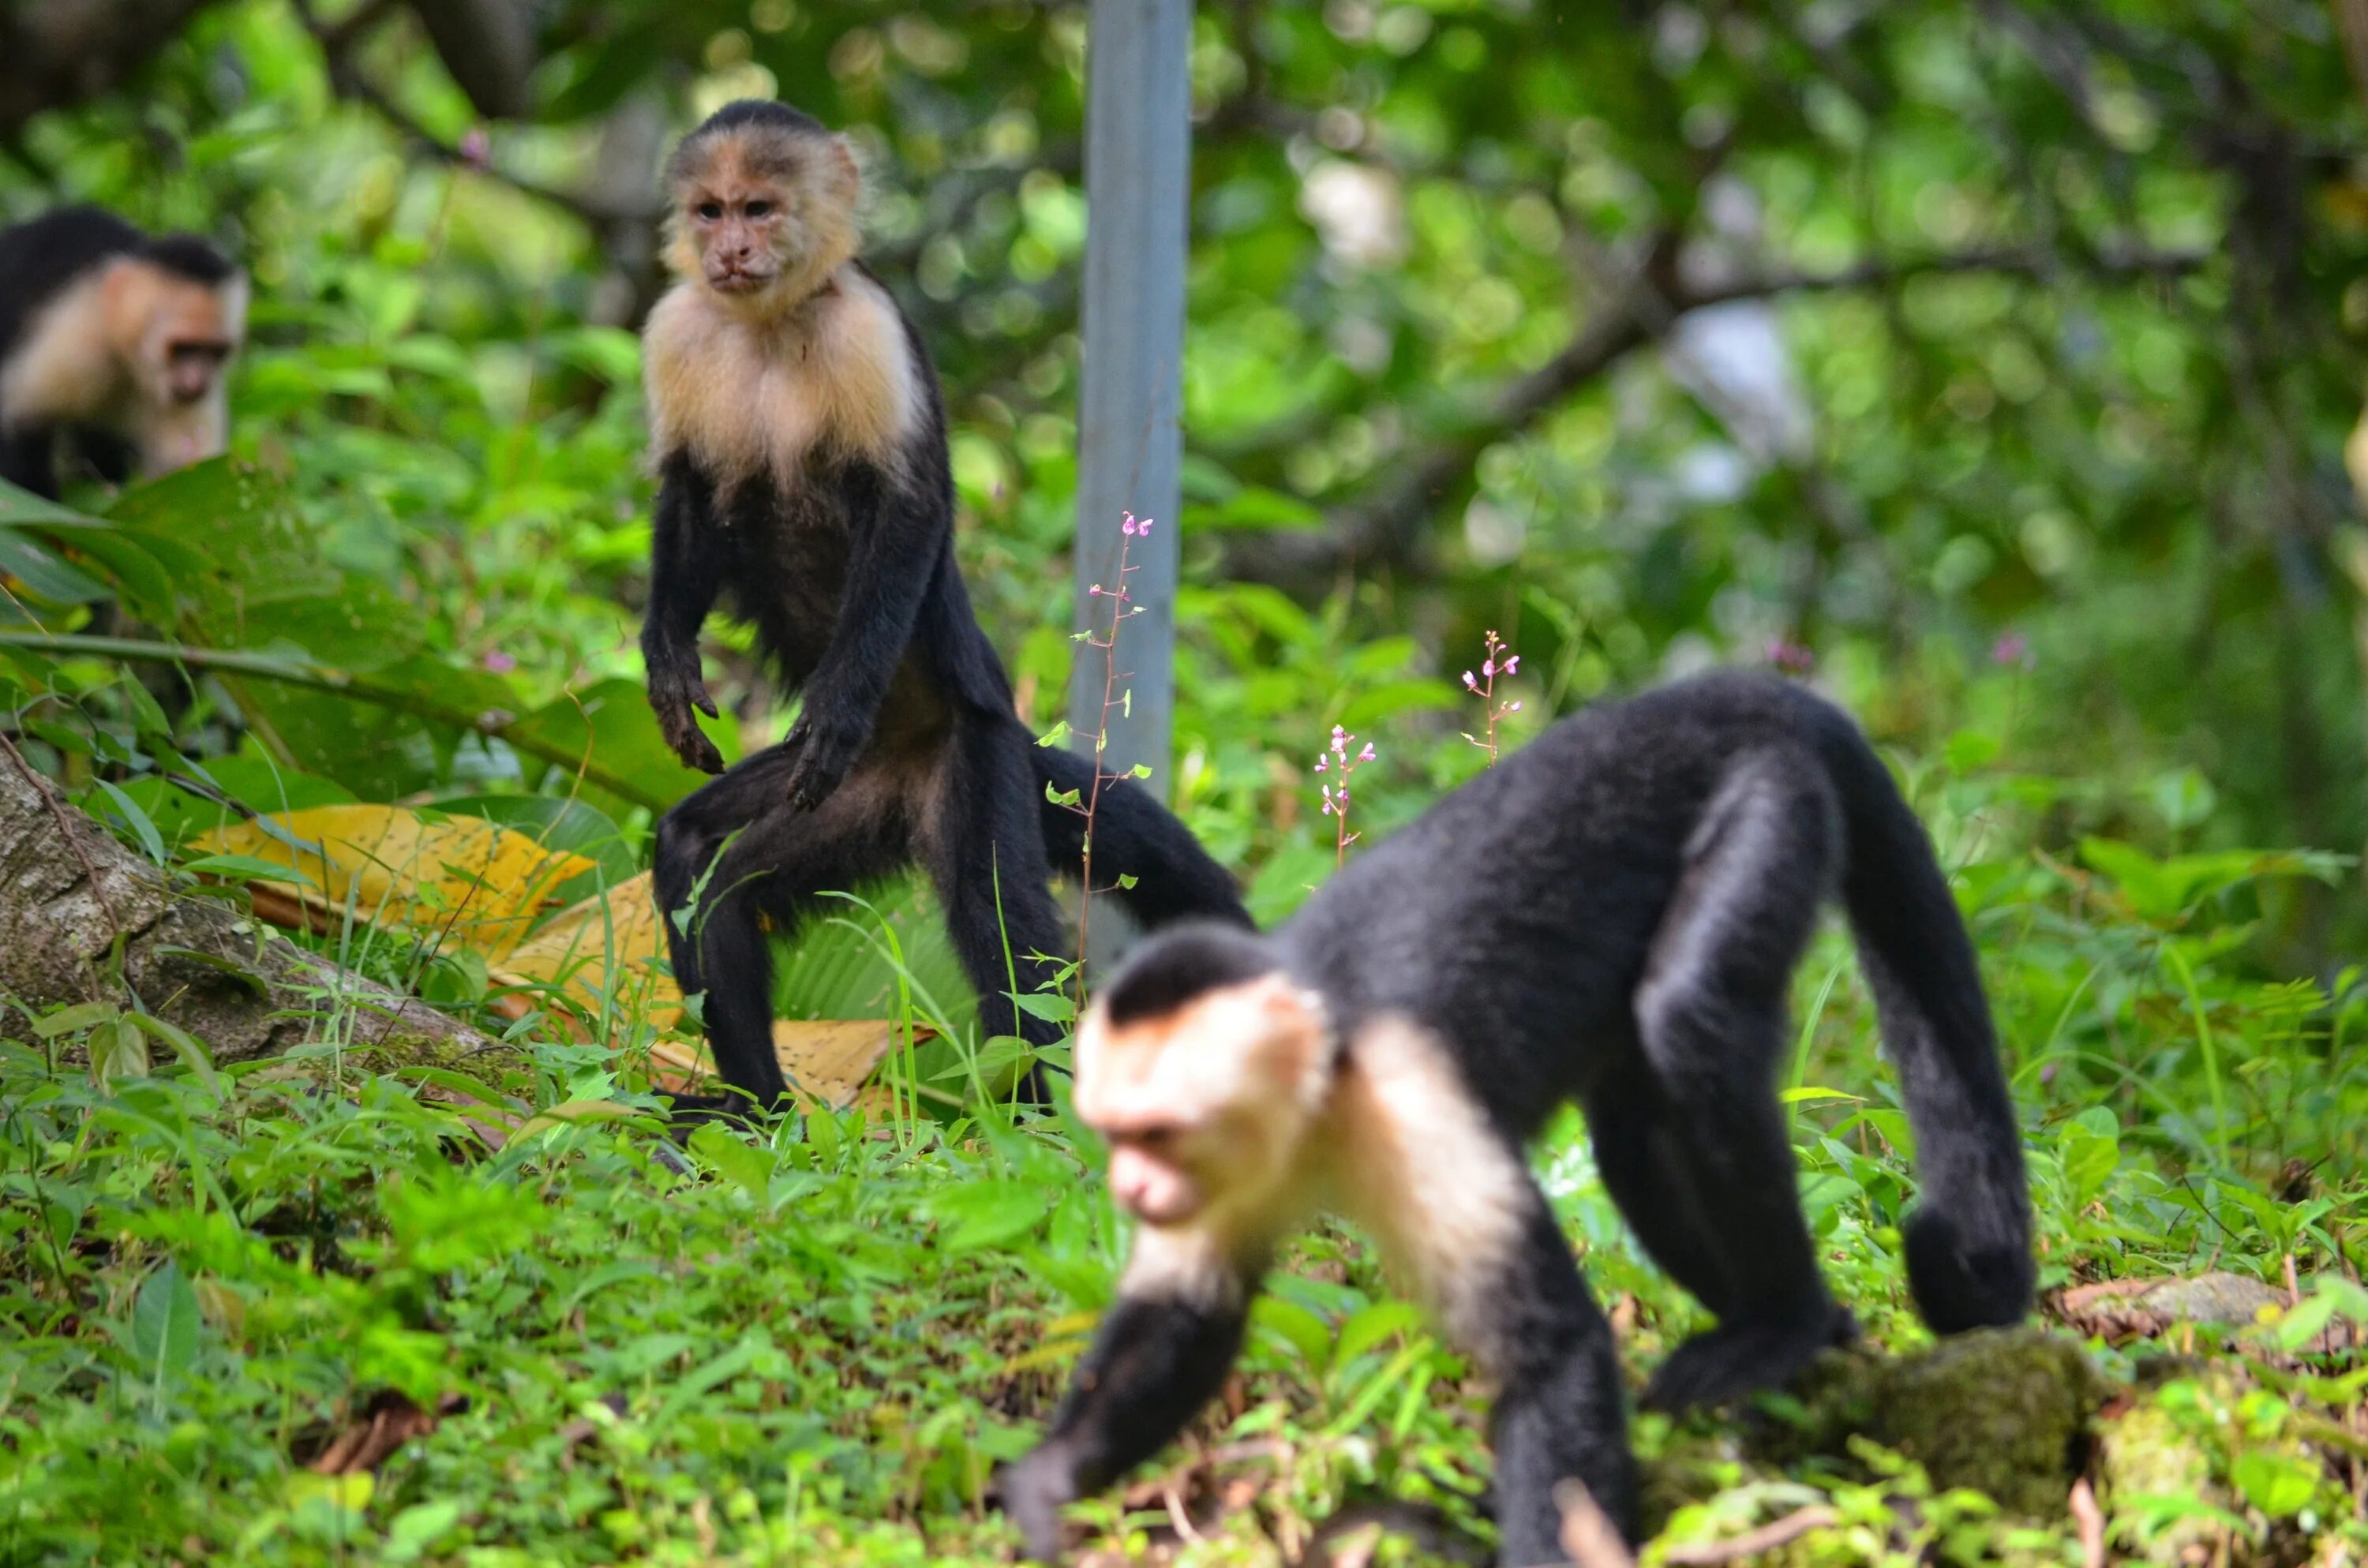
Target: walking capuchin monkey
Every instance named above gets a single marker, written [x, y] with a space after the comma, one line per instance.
[115, 342]
[1612, 915]
[801, 447]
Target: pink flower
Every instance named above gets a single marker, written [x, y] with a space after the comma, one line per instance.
[501, 663]
[2012, 651]
[477, 148]
[1319, 765]
[1127, 527]
[1793, 658]
[1143, 527]
[1513, 708]
[1366, 755]
[1512, 662]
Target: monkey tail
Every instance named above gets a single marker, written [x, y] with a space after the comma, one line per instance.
[1968, 1240]
[1135, 837]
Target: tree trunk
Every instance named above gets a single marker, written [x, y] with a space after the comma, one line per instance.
[70, 894]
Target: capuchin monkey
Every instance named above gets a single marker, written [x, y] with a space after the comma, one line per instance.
[115, 342]
[1611, 915]
[801, 447]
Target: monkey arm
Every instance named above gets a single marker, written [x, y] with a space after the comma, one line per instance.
[1156, 1362]
[901, 539]
[684, 576]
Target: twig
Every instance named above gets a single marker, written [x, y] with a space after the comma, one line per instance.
[313, 676]
[1588, 1533]
[1751, 1543]
[1383, 525]
[2090, 1521]
[66, 828]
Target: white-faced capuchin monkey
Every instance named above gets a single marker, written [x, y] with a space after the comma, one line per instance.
[115, 341]
[801, 447]
[1612, 915]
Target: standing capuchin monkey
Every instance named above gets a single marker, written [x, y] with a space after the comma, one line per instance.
[113, 340]
[1611, 915]
[801, 447]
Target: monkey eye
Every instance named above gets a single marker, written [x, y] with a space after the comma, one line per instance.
[759, 208]
[711, 210]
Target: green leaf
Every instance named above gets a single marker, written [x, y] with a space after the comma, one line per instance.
[1049, 1005]
[988, 1213]
[1369, 1326]
[2278, 1484]
[245, 869]
[118, 1051]
[81, 1016]
[151, 841]
[193, 1054]
[736, 1159]
[164, 1325]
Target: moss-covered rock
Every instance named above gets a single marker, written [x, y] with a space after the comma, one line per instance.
[2005, 1413]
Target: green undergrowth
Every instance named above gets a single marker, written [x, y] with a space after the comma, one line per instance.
[490, 1313]
[593, 1346]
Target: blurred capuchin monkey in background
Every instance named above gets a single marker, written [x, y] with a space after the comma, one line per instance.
[114, 344]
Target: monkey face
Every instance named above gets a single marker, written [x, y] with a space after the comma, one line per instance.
[1205, 1106]
[764, 214]
[740, 228]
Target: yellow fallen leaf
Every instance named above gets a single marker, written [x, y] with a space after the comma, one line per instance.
[603, 950]
[826, 1059]
[460, 880]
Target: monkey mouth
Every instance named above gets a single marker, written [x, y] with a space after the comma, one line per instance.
[735, 282]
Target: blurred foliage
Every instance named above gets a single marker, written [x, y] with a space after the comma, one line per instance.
[2092, 394]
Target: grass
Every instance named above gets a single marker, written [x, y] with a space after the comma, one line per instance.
[814, 1348]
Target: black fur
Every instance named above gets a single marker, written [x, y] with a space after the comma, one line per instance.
[907, 748]
[1613, 914]
[1170, 974]
[1154, 1363]
[40, 258]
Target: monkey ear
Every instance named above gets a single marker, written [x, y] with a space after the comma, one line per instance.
[843, 164]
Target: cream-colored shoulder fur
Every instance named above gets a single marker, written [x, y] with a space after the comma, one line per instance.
[834, 374]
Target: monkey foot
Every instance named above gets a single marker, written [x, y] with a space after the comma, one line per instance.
[1736, 1359]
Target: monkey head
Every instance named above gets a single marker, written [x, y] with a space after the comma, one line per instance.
[762, 206]
[1204, 1065]
[176, 312]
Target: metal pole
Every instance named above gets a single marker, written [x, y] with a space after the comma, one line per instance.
[1130, 438]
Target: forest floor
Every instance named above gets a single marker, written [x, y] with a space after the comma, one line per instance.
[493, 1320]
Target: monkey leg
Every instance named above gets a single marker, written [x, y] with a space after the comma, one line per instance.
[985, 850]
[1557, 1416]
[1700, 1161]
[1162, 1352]
[736, 852]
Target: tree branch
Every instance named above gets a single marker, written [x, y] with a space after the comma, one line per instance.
[1385, 527]
[69, 51]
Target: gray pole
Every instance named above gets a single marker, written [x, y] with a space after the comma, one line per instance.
[1138, 150]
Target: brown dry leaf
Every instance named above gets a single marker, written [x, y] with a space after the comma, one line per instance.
[386, 1422]
[825, 1059]
[2119, 1310]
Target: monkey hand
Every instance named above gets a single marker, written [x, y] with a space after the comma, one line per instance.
[671, 698]
[826, 754]
[1033, 1492]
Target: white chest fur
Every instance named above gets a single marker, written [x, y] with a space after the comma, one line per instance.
[744, 398]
